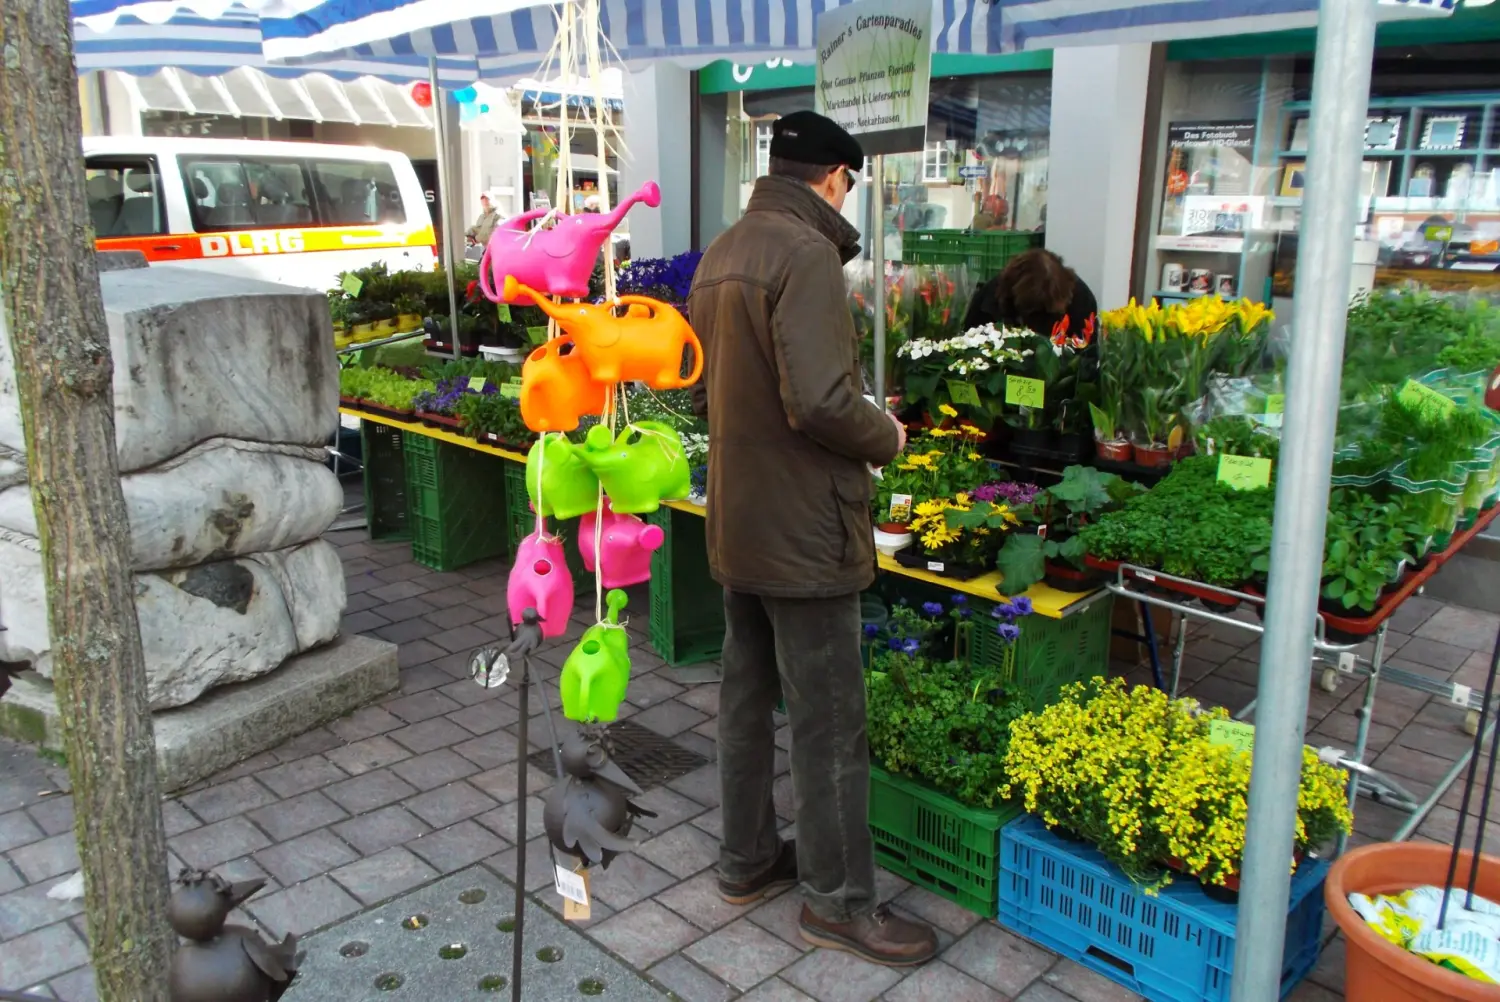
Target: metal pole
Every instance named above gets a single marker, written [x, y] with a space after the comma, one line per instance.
[450, 257]
[1341, 89]
[524, 747]
[877, 259]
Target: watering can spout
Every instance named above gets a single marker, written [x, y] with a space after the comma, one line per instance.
[514, 289]
[616, 600]
[650, 194]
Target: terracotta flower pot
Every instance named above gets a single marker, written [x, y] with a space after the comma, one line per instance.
[894, 528]
[1153, 457]
[1376, 970]
[1117, 451]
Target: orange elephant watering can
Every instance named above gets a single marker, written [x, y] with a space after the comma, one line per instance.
[645, 344]
[556, 388]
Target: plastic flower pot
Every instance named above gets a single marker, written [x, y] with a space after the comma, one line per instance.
[1116, 451]
[1376, 970]
[1154, 457]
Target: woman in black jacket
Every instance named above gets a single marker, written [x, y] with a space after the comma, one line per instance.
[1036, 290]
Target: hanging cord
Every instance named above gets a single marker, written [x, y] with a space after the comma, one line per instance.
[541, 459]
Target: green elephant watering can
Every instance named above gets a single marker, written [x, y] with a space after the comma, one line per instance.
[595, 675]
[556, 470]
[641, 468]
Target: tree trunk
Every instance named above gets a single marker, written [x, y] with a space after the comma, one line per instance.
[49, 287]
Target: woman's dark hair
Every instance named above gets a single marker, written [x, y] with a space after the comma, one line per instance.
[1035, 284]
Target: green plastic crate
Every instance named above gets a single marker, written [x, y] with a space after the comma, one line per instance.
[519, 516]
[383, 451]
[935, 842]
[457, 504]
[687, 604]
[1050, 653]
[985, 253]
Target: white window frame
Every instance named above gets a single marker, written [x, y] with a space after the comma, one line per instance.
[936, 159]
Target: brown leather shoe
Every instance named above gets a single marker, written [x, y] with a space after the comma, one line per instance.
[782, 873]
[880, 937]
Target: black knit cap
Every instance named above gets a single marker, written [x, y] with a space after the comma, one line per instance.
[805, 137]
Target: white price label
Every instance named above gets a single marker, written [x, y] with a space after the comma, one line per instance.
[1145, 575]
[935, 566]
[570, 885]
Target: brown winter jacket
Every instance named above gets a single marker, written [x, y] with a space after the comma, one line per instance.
[789, 429]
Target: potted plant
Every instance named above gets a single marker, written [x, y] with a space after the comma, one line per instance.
[1110, 766]
[950, 548]
[495, 419]
[1055, 552]
[972, 364]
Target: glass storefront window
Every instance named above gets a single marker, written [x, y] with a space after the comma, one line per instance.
[984, 165]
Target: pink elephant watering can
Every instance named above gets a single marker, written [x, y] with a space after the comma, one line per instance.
[556, 261]
[626, 543]
[540, 578]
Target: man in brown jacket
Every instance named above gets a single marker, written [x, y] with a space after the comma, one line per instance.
[789, 538]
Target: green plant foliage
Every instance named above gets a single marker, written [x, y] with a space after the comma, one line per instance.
[499, 415]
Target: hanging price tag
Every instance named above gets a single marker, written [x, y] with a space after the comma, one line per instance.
[1425, 398]
[352, 284]
[1244, 473]
[476, 384]
[900, 507]
[963, 393]
[503, 312]
[573, 885]
[1024, 392]
[1232, 734]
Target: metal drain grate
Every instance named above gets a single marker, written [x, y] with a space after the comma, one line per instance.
[645, 756]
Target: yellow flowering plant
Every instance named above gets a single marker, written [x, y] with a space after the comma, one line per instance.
[943, 537]
[1138, 775]
[938, 462]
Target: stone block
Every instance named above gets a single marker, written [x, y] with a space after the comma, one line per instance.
[199, 356]
[233, 722]
[221, 499]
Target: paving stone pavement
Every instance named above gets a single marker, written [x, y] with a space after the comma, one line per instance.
[422, 785]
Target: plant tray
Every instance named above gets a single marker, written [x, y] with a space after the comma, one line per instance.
[374, 408]
[433, 420]
[935, 842]
[1177, 946]
[946, 569]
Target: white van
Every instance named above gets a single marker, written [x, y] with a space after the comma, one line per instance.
[296, 213]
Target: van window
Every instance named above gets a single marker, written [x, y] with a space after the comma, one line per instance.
[124, 195]
[358, 192]
[245, 193]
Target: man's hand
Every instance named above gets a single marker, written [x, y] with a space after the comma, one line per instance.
[900, 433]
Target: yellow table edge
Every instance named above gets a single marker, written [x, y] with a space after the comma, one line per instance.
[1045, 601]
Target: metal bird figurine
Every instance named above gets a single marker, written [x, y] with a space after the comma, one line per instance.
[588, 812]
[223, 963]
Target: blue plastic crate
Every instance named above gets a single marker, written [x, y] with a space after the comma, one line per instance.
[1177, 946]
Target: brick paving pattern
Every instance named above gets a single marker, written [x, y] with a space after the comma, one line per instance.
[423, 784]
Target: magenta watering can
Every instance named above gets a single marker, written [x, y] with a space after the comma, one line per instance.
[540, 578]
[556, 261]
[627, 544]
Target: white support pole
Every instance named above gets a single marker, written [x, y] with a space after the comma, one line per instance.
[877, 264]
[1341, 89]
[445, 198]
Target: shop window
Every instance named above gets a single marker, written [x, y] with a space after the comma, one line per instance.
[234, 194]
[124, 195]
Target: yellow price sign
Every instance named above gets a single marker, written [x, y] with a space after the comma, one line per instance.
[963, 393]
[1244, 473]
[503, 312]
[1023, 391]
[477, 384]
[353, 285]
[1424, 398]
[1275, 403]
[511, 390]
[1232, 734]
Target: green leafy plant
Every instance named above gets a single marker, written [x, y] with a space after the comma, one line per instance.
[496, 414]
[1059, 512]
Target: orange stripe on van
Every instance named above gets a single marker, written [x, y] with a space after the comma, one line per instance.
[248, 243]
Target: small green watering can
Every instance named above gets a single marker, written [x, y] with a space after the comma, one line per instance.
[641, 468]
[568, 487]
[595, 675]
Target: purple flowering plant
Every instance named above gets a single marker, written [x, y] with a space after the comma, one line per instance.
[667, 279]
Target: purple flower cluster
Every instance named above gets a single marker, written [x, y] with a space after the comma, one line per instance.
[667, 279]
[444, 399]
[905, 645]
[1008, 491]
[1007, 613]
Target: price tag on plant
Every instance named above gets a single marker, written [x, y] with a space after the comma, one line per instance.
[963, 393]
[503, 312]
[1025, 392]
[1425, 398]
[352, 284]
[1244, 473]
[511, 390]
[1232, 734]
[935, 566]
[1275, 407]
[900, 507]
[476, 384]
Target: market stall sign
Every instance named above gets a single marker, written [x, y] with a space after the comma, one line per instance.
[352, 284]
[476, 384]
[725, 77]
[961, 392]
[874, 66]
[1232, 734]
[1424, 398]
[1244, 473]
[1022, 391]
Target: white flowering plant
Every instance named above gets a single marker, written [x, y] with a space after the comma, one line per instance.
[966, 372]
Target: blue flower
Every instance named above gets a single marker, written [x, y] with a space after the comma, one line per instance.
[1004, 611]
[870, 630]
[1008, 632]
[932, 608]
[1022, 605]
[894, 643]
[910, 645]
[959, 599]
